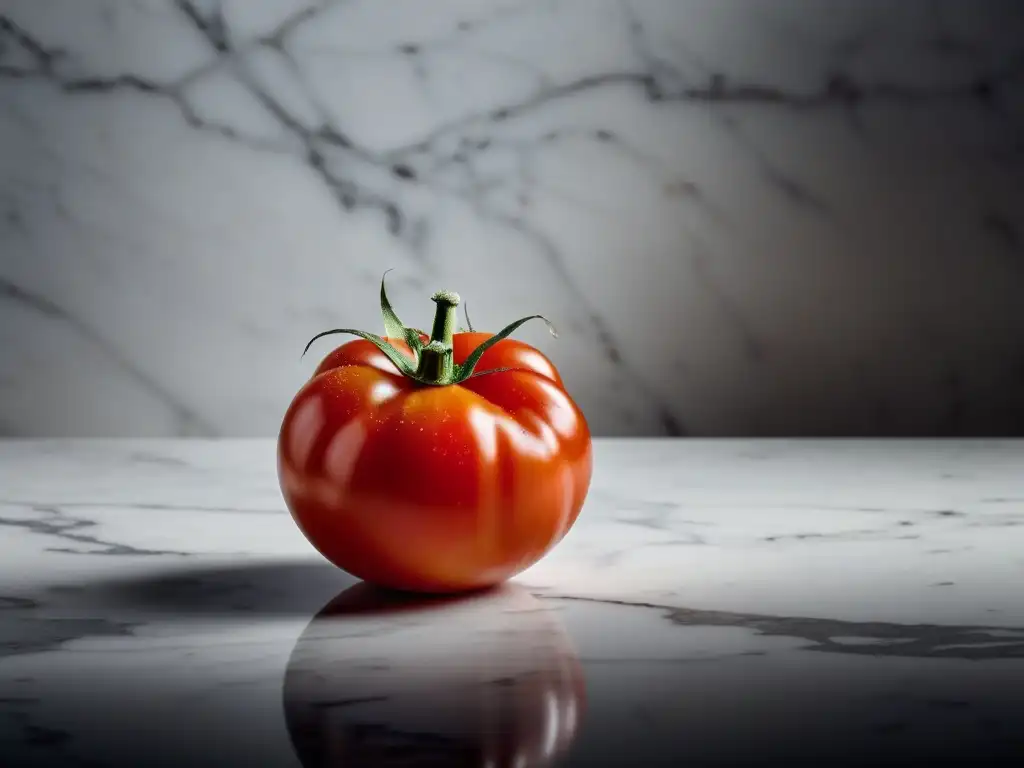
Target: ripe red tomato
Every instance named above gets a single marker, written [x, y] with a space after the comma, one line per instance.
[417, 479]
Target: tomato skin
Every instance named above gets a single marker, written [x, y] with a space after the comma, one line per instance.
[434, 489]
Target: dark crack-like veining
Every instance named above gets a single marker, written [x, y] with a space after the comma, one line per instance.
[654, 515]
[29, 628]
[708, 659]
[598, 327]
[749, 339]
[212, 25]
[46, 66]
[146, 505]
[317, 143]
[720, 90]
[159, 459]
[52, 521]
[333, 156]
[854, 535]
[837, 88]
[822, 635]
[15, 603]
[44, 58]
[190, 421]
[690, 540]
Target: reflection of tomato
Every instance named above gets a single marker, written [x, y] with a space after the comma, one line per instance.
[486, 680]
[441, 486]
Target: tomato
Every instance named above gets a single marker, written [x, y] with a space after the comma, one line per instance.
[434, 464]
[488, 679]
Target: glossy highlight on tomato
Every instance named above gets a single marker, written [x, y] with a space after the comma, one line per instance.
[434, 463]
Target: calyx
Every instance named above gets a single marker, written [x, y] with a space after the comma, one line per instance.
[432, 362]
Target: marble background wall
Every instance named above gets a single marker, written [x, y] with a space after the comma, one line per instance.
[745, 217]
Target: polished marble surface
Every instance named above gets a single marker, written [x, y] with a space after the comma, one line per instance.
[718, 603]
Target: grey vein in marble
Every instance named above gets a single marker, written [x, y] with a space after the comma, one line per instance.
[644, 155]
[709, 587]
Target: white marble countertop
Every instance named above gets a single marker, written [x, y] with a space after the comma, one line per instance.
[717, 600]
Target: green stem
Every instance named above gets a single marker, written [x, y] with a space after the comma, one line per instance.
[436, 364]
[445, 317]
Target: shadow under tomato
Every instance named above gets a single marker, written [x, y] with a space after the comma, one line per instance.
[366, 599]
[272, 588]
[381, 678]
